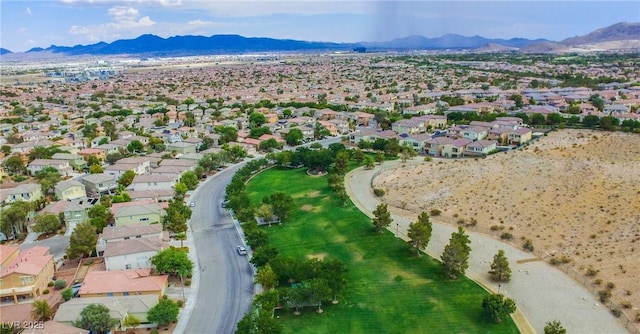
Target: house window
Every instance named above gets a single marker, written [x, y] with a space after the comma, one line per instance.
[138, 236]
[109, 294]
[127, 266]
[125, 293]
[126, 238]
[26, 280]
[144, 219]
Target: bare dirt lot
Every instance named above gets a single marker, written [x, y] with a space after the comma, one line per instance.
[574, 193]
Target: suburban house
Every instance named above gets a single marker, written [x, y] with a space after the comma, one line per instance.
[520, 136]
[71, 189]
[435, 145]
[408, 126]
[93, 152]
[417, 141]
[123, 283]
[76, 161]
[182, 147]
[25, 274]
[99, 184]
[29, 192]
[138, 213]
[475, 133]
[152, 182]
[455, 148]
[481, 147]
[151, 195]
[76, 212]
[432, 121]
[100, 139]
[135, 253]
[500, 134]
[127, 232]
[39, 164]
[119, 308]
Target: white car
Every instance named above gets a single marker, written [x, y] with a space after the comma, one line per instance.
[192, 204]
[241, 250]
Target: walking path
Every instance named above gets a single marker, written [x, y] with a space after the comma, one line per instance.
[543, 293]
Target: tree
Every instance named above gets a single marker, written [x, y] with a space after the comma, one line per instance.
[554, 327]
[420, 232]
[609, 123]
[342, 162]
[368, 162]
[47, 223]
[227, 134]
[83, 240]
[407, 152]
[173, 261]
[382, 218]
[14, 218]
[14, 165]
[257, 119]
[319, 291]
[500, 271]
[269, 144]
[379, 158]
[597, 101]
[113, 157]
[334, 271]
[591, 121]
[263, 255]
[180, 190]
[190, 179]
[131, 321]
[48, 177]
[177, 214]
[41, 310]
[497, 307]
[455, 258]
[96, 318]
[126, 178]
[96, 169]
[517, 98]
[67, 294]
[135, 146]
[5, 149]
[99, 216]
[267, 277]
[281, 204]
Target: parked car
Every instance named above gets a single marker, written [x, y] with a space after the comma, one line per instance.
[241, 250]
[224, 204]
[192, 204]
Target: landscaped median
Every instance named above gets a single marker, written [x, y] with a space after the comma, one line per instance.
[389, 288]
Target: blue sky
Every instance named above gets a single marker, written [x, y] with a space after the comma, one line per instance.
[25, 24]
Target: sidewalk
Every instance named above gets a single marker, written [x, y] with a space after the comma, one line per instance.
[542, 292]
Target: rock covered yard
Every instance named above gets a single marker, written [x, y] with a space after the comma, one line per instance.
[574, 193]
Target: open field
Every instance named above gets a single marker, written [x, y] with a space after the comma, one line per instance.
[390, 289]
[575, 193]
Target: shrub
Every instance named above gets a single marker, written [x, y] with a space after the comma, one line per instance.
[598, 281]
[506, 236]
[616, 312]
[604, 295]
[625, 304]
[428, 158]
[187, 282]
[592, 272]
[554, 261]
[435, 212]
[154, 331]
[528, 245]
[50, 284]
[60, 284]
[67, 294]
[45, 291]
[378, 192]
[638, 316]
[180, 302]
[611, 285]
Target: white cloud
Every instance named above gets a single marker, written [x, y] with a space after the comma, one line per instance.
[152, 3]
[28, 11]
[126, 23]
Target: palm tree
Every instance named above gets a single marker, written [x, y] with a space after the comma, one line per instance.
[41, 310]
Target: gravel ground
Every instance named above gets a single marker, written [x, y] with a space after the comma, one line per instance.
[542, 292]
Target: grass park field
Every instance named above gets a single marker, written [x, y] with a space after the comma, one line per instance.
[390, 289]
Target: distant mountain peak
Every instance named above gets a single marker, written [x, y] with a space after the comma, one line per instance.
[616, 32]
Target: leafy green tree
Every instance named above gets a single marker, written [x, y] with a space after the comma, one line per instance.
[379, 158]
[496, 307]
[5, 149]
[342, 162]
[41, 310]
[420, 232]
[554, 327]
[537, 119]
[294, 136]
[259, 131]
[227, 134]
[517, 98]
[109, 129]
[14, 165]
[319, 291]
[369, 163]
[172, 261]
[257, 119]
[190, 179]
[48, 177]
[180, 190]
[236, 152]
[121, 197]
[96, 169]
[500, 271]
[14, 218]
[281, 204]
[267, 277]
[381, 218]
[407, 152]
[597, 101]
[83, 240]
[113, 157]
[591, 121]
[135, 146]
[126, 178]
[47, 223]
[90, 131]
[455, 258]
[334, 272]
[269, 144]
[96, 318]
[609, 123]
[262, 255]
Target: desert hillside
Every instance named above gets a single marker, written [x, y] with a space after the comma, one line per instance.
[574, 193]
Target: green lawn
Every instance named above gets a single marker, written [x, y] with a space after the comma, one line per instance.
[389, 289]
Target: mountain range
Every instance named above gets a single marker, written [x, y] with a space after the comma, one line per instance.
[151, 45]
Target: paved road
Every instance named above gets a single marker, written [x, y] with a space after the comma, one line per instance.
[543, 293]
[225, 287]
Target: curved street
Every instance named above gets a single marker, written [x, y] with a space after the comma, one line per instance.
[223, 283]
[543, 293]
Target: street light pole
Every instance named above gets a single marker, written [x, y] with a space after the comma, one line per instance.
[397, 227]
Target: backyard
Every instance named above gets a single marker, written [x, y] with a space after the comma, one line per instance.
[389, 289]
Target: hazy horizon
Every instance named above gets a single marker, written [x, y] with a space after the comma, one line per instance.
[28, 24]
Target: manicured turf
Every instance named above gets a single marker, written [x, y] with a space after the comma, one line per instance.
[390, 289]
